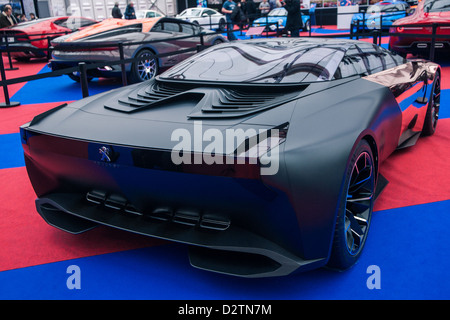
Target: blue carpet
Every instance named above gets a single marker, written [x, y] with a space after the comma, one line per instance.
[409, 246]
[56, 89]
[11, 151]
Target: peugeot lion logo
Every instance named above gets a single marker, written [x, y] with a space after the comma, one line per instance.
[105, 153]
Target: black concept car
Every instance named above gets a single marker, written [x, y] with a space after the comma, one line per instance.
[262, 156]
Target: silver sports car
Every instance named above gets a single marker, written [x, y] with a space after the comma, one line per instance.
[160, 42]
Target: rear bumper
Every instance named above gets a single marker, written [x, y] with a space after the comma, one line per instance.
[227, 249]
[25, 50]
[421, 46]
[107, 71]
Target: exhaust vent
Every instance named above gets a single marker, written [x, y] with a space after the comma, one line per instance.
[185, 217]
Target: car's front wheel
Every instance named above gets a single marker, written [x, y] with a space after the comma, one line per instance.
[355, 209]
[145, 68]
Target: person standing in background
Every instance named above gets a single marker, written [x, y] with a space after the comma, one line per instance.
[7, 19]
[129, 11]
[264, 7]
[116, 13]
[252, 13]
[294, 17]
[227, 9]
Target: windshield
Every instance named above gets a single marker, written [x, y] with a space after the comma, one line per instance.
[437, 6]
[278, 13]
[191, 12]
[32, 22]
[280, 61]
[383, 8]
[140, 14]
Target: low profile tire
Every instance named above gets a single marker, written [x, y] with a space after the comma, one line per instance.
[355, 209]
[307, 25]
[432, 116]
[222, 25]
[22, 59]
[145, 69]
[76, 77]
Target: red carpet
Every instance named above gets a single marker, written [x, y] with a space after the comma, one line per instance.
[24, 69]
[13, 118]
[445, 81]
[419, 174]
[28, 240]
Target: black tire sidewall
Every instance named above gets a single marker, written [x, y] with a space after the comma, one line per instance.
[340, 258]
[428, 128]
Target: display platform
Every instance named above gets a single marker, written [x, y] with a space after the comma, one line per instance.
[407, 247]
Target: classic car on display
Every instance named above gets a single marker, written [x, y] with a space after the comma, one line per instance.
[276, 20]
[141, 14]
[31, 37]
[239, 152]
[381, 14]
[205, 17]
[417, 26]
[141, 38]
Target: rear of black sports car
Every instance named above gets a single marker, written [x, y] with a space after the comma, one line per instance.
[116, 180]
[155, 159]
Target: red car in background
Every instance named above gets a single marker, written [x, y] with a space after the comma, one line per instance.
[428, 12]
[31, 37]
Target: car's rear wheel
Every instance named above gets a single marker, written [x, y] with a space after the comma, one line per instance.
[75, 76]
[307, 26]
[22, 59]
[431, 119]
[222, 25]
[355, 209]
[144, 69]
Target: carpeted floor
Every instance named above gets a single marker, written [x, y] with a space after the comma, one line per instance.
[408, 239]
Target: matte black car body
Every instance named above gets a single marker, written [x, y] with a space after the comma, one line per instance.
[339, 106]
[161, 36]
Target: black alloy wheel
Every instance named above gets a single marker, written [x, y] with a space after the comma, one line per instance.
[432, 116]
[355, 209]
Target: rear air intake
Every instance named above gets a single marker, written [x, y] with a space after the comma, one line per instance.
[95, 196]
[207, 101]
[192, 218]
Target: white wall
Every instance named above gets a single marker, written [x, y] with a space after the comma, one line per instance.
[101, 9]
